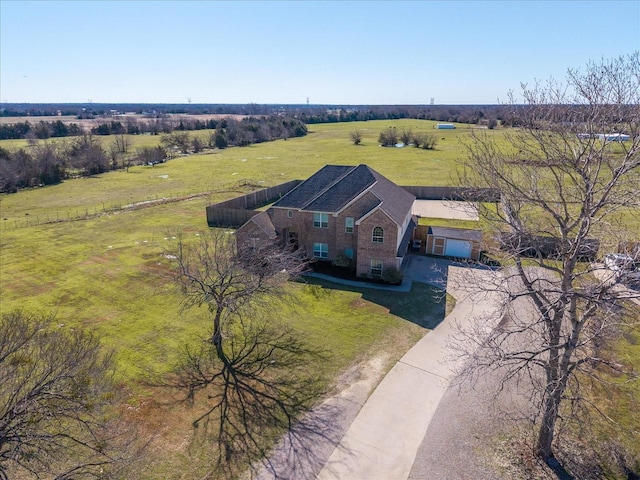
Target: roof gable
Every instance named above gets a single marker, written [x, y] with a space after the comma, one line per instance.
[343, 191]
[264, 223]
[396, 201]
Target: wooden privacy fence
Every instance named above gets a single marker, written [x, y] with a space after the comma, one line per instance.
[237, 211]
[422, 192]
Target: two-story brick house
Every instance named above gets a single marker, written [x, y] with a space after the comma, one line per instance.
[347, 211]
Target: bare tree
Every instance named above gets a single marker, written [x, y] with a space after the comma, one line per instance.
[356, 137]
[388, 137]
[232, 280]
[565, 185]
[197, 144]
[429, 141]
[121, 143]
[87, 155]
[180, 140]
[56, 396]
[149, 156]
[417, 139]
[250, 372]
[406, 136]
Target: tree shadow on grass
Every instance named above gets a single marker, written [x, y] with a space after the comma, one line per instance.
[423, 305]
[256, 390]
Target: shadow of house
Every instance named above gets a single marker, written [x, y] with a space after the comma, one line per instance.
[423, 305]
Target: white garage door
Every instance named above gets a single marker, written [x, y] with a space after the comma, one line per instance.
[458, 248]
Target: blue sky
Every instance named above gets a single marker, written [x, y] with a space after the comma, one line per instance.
[360, 52]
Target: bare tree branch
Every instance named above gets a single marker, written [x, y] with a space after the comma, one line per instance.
[58, 410]
[564, 184]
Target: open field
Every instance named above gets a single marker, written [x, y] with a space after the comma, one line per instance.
[107, 269]
[88, 123]
[264, 164]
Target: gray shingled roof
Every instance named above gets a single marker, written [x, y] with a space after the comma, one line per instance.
[312, 187]
[263, 221]
[333, 187]
[396, 201]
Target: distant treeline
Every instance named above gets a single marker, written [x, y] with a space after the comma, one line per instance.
[486, 114]
[46, 163]
[257, 129]
[306, 113]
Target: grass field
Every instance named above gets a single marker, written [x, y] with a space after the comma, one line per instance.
[107, 269]
[266, 164]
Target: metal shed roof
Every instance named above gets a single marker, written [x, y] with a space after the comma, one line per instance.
[457, 233]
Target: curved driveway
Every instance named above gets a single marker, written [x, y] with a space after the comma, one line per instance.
[384, 438]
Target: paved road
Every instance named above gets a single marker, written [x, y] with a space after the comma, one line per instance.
[384, 438]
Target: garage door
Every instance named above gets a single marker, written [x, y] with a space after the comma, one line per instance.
[458, 248]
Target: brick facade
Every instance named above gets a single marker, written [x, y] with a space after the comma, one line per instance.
[356, 193]
[368, 250]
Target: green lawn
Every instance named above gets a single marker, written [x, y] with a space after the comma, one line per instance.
[108, 270]
[265, 164]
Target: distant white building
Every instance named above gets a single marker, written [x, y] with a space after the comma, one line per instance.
[606, 137]
[613, 137]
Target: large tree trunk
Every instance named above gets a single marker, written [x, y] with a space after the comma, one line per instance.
[547, 428]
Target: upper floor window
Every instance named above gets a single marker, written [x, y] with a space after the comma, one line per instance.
[378, 235]
[321, 220]
[289, 213]
[348, 225]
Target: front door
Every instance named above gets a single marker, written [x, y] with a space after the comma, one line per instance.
[293, 240]
[438, 245]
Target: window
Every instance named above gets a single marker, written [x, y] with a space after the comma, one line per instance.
[376, 268]
[348, 225]
[289, 213]
[321, 220]
[348, 252]
[378, 235]
[320, 250]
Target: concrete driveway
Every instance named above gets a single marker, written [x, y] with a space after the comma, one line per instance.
[432, 270]
[384, 438]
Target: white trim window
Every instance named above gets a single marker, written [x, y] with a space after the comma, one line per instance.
[348, 225]
[289, 213]
[321, 220]
[320, 250]
[378, 235]
[376, 268]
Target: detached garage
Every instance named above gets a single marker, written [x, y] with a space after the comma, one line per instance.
[453, 242]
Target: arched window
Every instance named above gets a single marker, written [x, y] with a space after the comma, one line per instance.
[378, 235]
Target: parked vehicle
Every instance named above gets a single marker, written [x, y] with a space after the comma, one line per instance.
[625, 267]
[619, 262]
